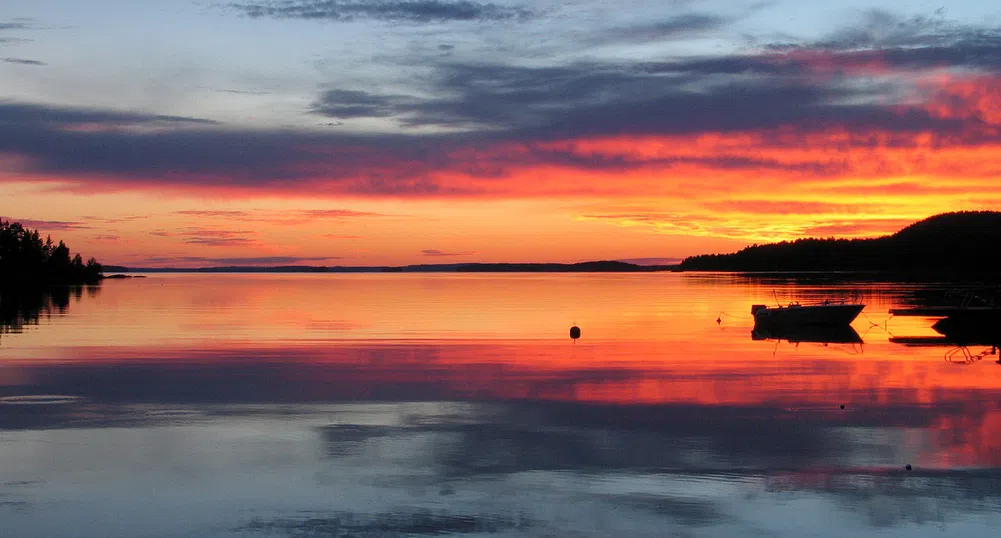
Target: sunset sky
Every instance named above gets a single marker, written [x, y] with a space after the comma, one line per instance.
[365, 132]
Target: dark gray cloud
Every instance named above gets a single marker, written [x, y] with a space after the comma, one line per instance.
[346, 104]
[22, 61]
[412, 11]
[17, 115]
[601, 99]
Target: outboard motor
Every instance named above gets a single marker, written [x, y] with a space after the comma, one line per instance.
[756, 307]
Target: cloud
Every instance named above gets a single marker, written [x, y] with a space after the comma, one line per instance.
[794, 115]
[106, 237]
[439, 253]
[337, 213]
[22, 61]
[346, 104]
[338, 236]
[33, 116]
[219, 241]
[680, 26]
[523, 102]
[284, 217]
[217, 238]
[212, 213]
[15, 25]
[243, 92]
[246, 260]
[44, 225]
[409, 11]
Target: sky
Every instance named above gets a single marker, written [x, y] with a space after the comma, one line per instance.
[369, 132]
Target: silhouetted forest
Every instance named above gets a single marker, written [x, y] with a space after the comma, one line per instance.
[950, 243]
[27, 261]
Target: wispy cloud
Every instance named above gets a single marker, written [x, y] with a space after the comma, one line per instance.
[218, 238]
[412, 11]
[283, 217]
[45, 225]
[433, 252]
[23, 61]
[16, 25]
[213, 213]
[219, 241]
[33, 116]
[246, 260]
[681, 26]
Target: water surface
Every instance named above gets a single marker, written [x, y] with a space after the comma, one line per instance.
[422, 405]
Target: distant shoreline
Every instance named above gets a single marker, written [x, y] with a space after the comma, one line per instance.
[817, 276]
[583, 267]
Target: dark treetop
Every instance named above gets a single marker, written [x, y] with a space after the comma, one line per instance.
[28, 262]
[961, 243]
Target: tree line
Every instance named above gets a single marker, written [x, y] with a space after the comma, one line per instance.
[955, 243]
[28, 261]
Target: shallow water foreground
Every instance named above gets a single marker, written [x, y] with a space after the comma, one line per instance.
[428, 405]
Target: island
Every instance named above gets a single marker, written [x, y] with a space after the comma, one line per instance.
[947, 245]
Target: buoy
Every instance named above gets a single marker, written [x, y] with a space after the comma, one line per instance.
[908, 466]
[575, 332]
[842, 406]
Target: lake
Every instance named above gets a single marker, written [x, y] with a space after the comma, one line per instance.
[379, 405]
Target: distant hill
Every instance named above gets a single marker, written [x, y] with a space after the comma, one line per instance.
[582, 267]
[950, 243]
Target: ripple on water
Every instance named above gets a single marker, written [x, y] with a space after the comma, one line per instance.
[39, 399]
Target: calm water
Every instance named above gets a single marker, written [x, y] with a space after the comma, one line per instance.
[426, 405]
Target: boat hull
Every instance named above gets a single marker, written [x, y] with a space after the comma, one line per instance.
[832, 315]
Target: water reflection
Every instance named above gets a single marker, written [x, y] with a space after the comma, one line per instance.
[21, 307]
[815, 334]
[961, 319]
[430, 405]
